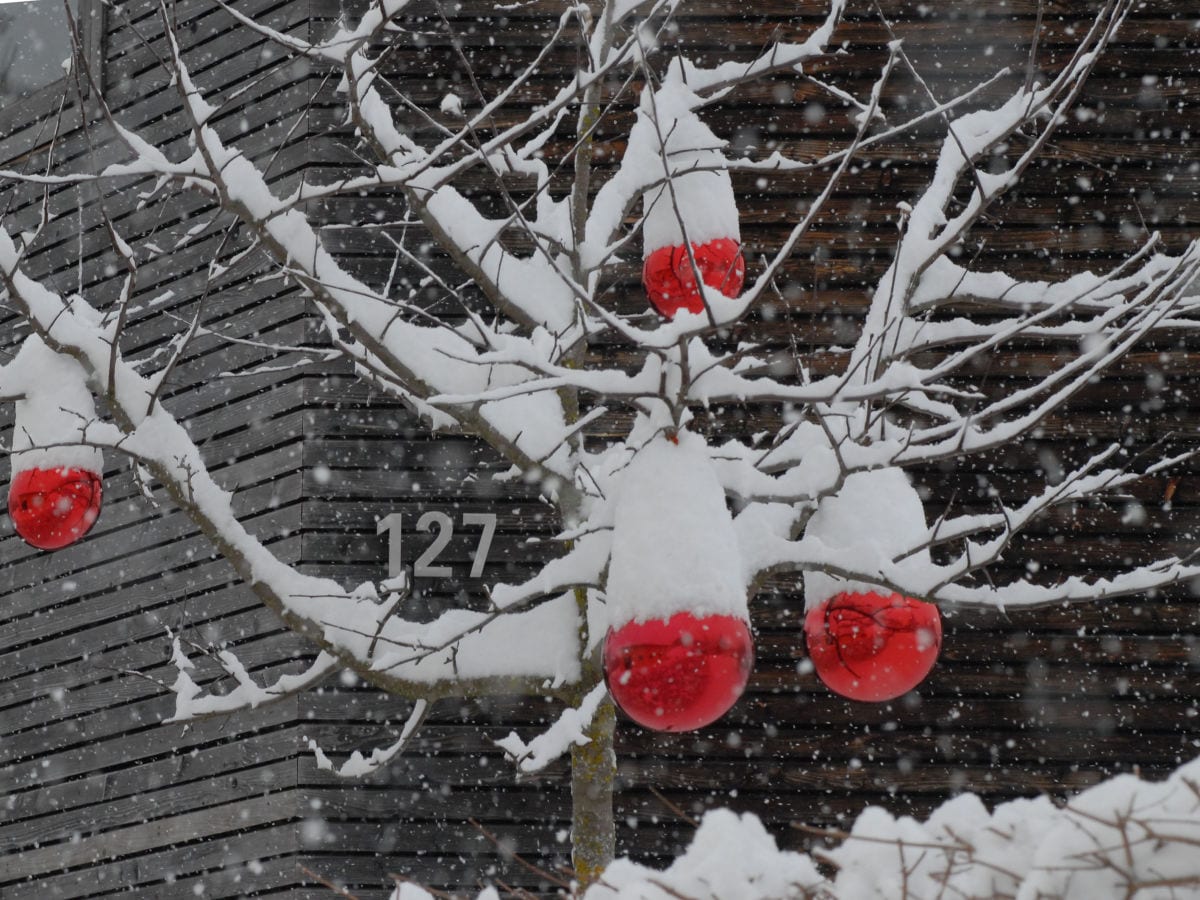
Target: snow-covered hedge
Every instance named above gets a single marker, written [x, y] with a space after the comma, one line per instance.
[1123, 838]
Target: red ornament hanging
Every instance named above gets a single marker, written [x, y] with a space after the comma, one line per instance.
[873, 647]
[54, 498]
[669, 278]
[53, 508]
[679, 674]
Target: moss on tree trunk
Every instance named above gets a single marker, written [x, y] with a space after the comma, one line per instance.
[593, 768]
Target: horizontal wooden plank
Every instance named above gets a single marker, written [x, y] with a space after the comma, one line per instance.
[226, 766]
[101, 661]
[781, 609]
[109, 694]
[209, 588]
[462, 745]
[82, 823]
[106, 573]
[1036, 682]
[366, 874]
[153, 741]
[151, 871]
[980, 647]
[239, 877]
[111, 641]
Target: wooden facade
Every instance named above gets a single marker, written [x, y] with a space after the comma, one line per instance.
[102, 798]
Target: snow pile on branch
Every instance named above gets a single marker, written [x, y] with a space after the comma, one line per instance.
[879, 514]
[674, 546]
[1124, 837]
[409, 891]
[567, 731]
[53, 414]
[670, 139]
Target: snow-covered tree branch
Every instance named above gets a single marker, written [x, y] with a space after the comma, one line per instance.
[532, 347]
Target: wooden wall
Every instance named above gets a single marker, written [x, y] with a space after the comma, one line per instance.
[102, 797]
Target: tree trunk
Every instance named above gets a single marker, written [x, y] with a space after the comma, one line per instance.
[593, 768]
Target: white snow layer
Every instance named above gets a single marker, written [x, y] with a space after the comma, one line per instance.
[358, 766]
[1031, 848]
[1024, 849]
[52, 418]
[732, 857]
[674, 547]
[566, 732]
[697, 203]
[533, 642]
[1122, 838]
[409, 891]
[878, 511]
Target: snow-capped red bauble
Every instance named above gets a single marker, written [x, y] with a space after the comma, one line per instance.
[867, 643]
[679, 674]
[670, 280]
[678, 650]
[55, 492]
[53, 508]
[873, 646]
[697, 207]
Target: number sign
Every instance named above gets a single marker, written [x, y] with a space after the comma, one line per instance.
[426, 565]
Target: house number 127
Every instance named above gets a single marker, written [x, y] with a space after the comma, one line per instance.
[425, 566]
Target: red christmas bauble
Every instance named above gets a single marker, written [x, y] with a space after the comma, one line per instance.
[670, 282]
[52, 508]
[678, 674]
[873, 647]
[662, 284]
[720, 263]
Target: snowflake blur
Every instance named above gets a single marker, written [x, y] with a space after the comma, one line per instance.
[679, 674]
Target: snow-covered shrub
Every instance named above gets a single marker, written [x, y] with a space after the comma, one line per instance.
[1124, 837]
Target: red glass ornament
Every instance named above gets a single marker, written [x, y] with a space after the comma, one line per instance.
[678, 674]
[670, 282]
[720, 263]
[873, 647]
[52, 508]
[662, 285]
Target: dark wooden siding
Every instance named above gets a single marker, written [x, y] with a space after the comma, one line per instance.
[1022, 703]
[101, 797]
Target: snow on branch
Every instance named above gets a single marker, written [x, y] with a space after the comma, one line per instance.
[349, 625]
[425, 360]
[1120, 838]
[357, 765]
[731, 857]
[192, 702]
[569, 729]
[777, 57]
[766, 546]
[929, 232]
